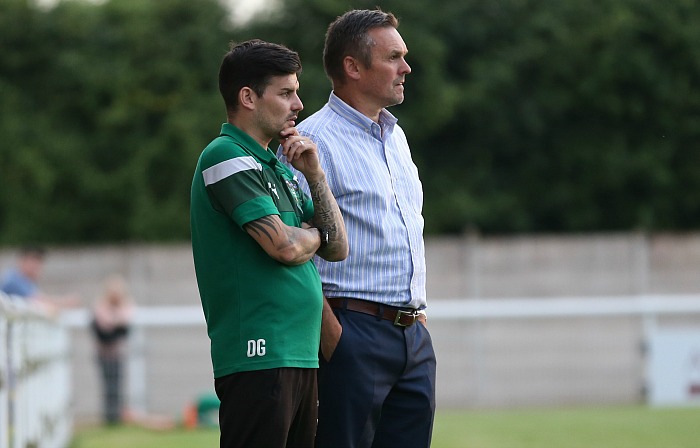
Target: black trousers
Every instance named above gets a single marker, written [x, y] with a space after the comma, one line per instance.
[111, 369]
[275, 408]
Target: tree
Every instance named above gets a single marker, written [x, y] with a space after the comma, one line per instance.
[530, 116]
[108, 117]
[523, 115]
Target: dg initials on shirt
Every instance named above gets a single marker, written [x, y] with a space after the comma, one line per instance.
[256, 348]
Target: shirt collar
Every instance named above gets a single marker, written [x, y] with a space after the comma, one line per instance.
[249, 143]
[387, 121]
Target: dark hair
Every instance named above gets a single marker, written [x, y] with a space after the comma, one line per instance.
[252, 64]
[33, 251]
[348, 35]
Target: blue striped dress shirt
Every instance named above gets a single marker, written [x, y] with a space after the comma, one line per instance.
[375, 182]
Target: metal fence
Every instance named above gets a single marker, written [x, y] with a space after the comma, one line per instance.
[35, 386]
[492, 353]
[566, 351]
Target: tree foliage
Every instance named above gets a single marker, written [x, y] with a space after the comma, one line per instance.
[543, 115]
[105, 109]
[523, 115]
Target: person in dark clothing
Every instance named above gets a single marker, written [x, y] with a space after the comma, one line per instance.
[112, 315]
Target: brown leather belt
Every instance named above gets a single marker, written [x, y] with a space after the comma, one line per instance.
[400, 317]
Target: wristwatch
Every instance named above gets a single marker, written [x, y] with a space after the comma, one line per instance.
[323, 233]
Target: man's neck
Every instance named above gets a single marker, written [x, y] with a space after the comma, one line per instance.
[251, 130]
[356, 101]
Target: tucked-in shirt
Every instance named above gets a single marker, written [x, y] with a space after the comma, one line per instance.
[14, 283]
[371, 173]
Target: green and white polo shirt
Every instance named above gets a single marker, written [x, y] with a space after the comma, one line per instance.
[260, 313]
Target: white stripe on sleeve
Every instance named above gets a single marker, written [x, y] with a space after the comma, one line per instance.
[228, 168]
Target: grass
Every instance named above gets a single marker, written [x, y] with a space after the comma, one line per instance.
[618, 427]
[633, 427]
[139, 437]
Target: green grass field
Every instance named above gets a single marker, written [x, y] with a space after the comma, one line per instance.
[624, 427]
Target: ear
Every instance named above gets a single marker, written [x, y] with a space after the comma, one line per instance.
[246, 98]
[351, 67]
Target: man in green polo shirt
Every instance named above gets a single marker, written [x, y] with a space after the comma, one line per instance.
[254, 234]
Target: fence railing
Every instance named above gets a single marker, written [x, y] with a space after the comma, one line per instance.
[480, 341]
[35, 392]
[35, 387]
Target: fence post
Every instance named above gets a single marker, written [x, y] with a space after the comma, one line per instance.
[4, 377]
[35, 378]
[136, 365]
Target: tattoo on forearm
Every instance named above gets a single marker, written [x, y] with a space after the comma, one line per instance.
[264, 226]
[322, 205]
[326, 209]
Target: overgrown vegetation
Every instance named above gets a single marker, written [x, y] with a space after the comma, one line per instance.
[523, 115]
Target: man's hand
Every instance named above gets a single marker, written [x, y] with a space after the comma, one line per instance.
[331, 330]
[302, 153]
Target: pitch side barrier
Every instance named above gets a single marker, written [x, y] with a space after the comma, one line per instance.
[646, 306]
[651, 311]
[34, 378]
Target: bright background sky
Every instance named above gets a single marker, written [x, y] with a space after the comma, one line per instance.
[244, 9]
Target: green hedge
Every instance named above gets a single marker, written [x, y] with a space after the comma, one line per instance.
[523, 115]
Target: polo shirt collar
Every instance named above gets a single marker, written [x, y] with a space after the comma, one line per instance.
[387, 121]
[249, 143]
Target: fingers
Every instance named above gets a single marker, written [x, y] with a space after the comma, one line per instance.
[288, 132]
[295, 146]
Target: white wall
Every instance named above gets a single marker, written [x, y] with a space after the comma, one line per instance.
[493, 363]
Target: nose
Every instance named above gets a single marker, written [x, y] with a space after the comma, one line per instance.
[298, 105]
[406, 68]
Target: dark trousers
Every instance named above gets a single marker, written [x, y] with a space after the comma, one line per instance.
[378, 389]
[111, 369]
[273, 408]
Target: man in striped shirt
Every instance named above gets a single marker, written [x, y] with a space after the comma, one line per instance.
[377, 372]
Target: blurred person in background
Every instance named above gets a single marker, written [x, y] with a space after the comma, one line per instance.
[254, 234]
[22, 280]
[112, 314]
[377, 372]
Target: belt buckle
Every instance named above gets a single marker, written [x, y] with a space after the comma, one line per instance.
[400, 313]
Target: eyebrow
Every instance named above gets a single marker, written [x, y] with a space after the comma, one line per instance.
[290, 88]
[398, 52]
